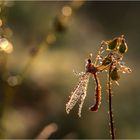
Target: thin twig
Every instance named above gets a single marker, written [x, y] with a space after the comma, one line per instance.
[110, 105]
[99, 53]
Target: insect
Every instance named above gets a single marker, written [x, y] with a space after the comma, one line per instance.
[110, 54]
[80, 90]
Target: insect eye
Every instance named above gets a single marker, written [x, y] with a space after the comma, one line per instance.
[89, 60]
[114, 74]
[123, 47]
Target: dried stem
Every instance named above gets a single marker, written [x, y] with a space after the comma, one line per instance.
[99, 53]
[110, 105]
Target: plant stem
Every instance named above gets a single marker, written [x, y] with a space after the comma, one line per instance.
[110, 105]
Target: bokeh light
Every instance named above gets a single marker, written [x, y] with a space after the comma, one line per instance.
[41, 43]
[67, 11]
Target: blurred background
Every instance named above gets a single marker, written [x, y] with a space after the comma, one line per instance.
[47, 41]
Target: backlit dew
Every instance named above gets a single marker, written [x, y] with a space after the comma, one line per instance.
[51, 38]
[125, 69]
[79, 93]
[117, 83]
[67, 11]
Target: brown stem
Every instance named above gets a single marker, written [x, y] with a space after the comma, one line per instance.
[110, 105]
[98, 94]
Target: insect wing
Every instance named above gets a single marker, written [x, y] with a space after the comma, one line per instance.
[78, 93]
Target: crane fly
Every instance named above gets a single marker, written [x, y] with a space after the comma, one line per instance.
[80, 91]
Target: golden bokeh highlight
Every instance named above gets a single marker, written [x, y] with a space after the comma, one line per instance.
[5, 45]
[67, 11]
[9, 48]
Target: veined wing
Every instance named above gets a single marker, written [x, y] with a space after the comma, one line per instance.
[78, 93]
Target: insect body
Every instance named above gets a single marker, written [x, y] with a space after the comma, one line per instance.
[80, 91]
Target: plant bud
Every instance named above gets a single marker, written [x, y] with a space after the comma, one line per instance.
[112, 44]
[114, 75]
[123, 47]
[106, 61]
